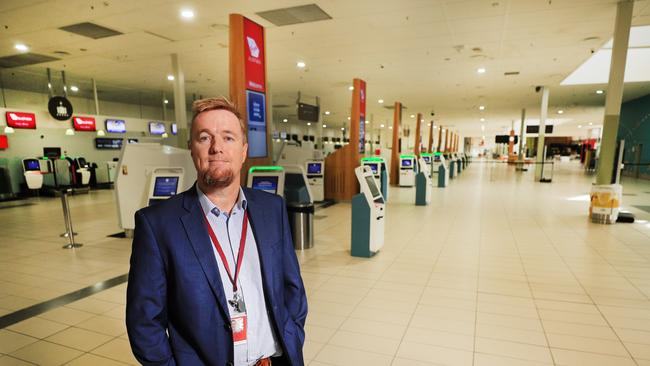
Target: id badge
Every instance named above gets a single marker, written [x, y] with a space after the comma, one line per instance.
[239, 324]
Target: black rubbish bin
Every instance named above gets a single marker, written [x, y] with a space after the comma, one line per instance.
[301, 220]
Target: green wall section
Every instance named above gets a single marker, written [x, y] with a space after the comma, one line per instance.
[634, 128]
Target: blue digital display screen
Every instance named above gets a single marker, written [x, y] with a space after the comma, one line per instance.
[427, 159]
[374, 167]
[32, 165]
[314, 168]
[407, 163]
[115, 126]
[256, 106]
[165, 186]
[266, 183]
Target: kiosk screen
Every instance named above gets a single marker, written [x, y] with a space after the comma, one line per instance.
[314, 168]
[266, 184]
[165, 186]
[407, 163]
[32, 165]
[374, 168]
[376, 195]
[427, 159]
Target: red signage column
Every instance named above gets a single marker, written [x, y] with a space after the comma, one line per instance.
[248, 86]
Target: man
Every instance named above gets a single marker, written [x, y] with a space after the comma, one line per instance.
[214, 279]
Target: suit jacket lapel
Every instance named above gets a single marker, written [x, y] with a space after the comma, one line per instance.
[193, 221]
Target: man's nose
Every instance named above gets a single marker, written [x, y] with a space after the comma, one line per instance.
[216, 146]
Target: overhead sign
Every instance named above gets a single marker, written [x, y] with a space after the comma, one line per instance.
[60, 108]
[256, 111]
[157, 128]
[84, 123]
[254, 69]
[115, 126]
[21, 120]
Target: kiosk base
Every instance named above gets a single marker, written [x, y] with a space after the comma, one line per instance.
[421, 187]
[360, 240]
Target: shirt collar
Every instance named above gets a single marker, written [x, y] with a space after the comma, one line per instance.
[207, 206]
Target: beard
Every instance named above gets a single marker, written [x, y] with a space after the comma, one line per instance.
[218, 178]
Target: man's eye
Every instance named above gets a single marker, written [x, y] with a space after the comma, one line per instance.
[230, 138]
[203, 138]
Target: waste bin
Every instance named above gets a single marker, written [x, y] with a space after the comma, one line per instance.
[301, 220]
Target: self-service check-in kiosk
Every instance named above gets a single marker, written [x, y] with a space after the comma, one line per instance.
[428, 159]
[32, 173]
[378, 166]
[367, 215]
[407, 170]
[267, 178]
[459, 164]
[163, 183]
[316, 177]
[440, 166]
[423, 184]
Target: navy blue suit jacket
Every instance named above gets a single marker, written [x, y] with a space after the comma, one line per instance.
[176, 312]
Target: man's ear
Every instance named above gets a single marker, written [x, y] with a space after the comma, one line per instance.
[245, 152]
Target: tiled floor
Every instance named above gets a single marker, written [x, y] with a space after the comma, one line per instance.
[498, 270]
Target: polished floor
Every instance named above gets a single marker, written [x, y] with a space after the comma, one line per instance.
[497, 270]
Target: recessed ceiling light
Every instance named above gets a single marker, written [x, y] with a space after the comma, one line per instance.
[301, 64]
[166, 101]
[390, 127]
[21, 47]
[308, 123]
[327, 113]
[170, 77]
[367, 122]
[324, 125]
[481, 107]
[483, 137]
[285, 120]
[187, 13]
[74, 88]
[579, 126]
[380, 101]
[481, 70]
[482, 127]
[349, 118]
[413, 116]
[381, 125]
[342, 128]
[560, 112]
[428, 124]
[350, 88]
[599, 91]
[590, 124]
[482, 119]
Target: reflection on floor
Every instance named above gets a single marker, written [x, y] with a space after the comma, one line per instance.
[498, 270]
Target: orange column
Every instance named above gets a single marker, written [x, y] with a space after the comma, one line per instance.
[418, 137]
[394, 156]
[430, 145]
[439, 139]
[447, 140]
[248, 76]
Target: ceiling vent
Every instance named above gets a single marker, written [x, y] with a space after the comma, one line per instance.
[295, 15]
[511, 73]
[24, 59]
[90, 30]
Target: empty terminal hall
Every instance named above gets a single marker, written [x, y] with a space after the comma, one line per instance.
[325, 183]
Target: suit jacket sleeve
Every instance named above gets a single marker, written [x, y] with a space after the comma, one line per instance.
[295, 297]
[146, 299]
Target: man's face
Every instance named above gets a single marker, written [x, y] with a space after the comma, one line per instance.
[217, 147]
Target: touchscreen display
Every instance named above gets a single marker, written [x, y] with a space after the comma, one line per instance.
[165, 186]
[266, 184]
[314, 168]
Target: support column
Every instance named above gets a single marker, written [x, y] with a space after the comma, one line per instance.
[614, 96]
[439, 139]
[430, 145]
[521, 134]
[394, 155]
[542, 133]
[418, 137]
[95, 96]
[180, 109]
[446, 140]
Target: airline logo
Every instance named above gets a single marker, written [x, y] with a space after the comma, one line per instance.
[252, 47]
[21, 120]
[84, 123]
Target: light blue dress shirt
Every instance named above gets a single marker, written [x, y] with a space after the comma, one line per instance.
[261, 339]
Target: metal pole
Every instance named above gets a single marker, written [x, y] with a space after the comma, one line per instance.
[66, 218]
[614, 96]
[95, 96]
[66, 210]
[164, 107]
[49, 83]
[65, 85]
[541, 155]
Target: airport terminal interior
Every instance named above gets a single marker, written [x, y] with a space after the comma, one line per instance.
[467, 182]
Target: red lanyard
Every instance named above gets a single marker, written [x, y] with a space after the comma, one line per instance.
[240, 255]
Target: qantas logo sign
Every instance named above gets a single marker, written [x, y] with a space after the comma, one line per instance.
[21, 120]
[252, 47]
[84, 123]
